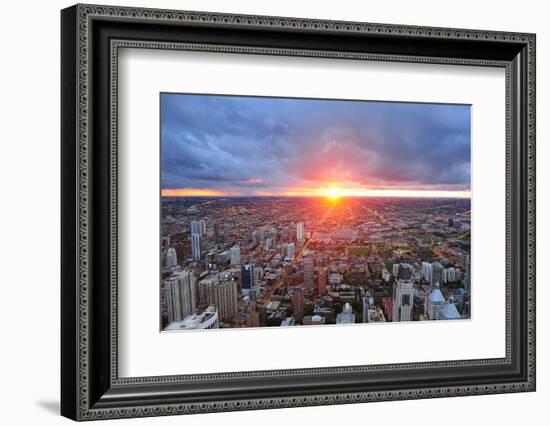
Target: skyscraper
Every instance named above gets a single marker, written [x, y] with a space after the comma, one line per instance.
[403, 294]
[195, 227]
[437, 273]
[216, 230]
[247, 278]
[395, 269]
[202, 227]
[300, 232]
[255, 237]
[298, 305]
[205, 288]
[224, 297]
[451, 275]
[322, 281]
[226, 231]
[290, 250]
[180, 295]
[235, 255]
[171, 257]
[221, 294]
[252, 316]
[196, 247]
[427, 271]
[308, 273]
[468, 275]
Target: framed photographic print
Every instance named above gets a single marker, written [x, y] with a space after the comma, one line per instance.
[263, 212]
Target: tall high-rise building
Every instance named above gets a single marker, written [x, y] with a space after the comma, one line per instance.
[221, 294]
[252, 316]
[226, 231]
[300, 232]
[437, 273]
[172, 298]
[451, 275]
[427, 271]
[224, 297]
[309, 276]
[195, 227]
[171, 257]
[205, 287]
[258, 273]
[196, 247]
[202, 227]
[298, 305]
[290, 250]
[180, 295]
[395, 269]
[216, 231]
[322, 281]
[255, 237]
[403, 294]
[285, 234]
[235, 255]
[247, 278]
[292, 233]
[468, 275]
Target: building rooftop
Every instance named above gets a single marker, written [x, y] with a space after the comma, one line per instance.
[207, 319]
[404, 273]
[449, 312]
[436, 297]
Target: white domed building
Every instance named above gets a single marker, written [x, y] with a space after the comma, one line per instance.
[437, 309]
[449, 311]
[435, 302]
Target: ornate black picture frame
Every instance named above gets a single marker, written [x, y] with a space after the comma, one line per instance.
[91, 36]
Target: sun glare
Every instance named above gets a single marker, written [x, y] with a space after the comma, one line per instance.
[333, 194]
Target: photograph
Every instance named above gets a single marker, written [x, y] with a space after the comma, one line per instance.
[284, 212]
[272, 207]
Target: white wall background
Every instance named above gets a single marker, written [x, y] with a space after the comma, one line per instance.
[29, 214]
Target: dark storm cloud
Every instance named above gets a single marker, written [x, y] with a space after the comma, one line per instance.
[248, 144]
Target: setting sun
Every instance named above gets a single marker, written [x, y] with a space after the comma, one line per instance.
[333, 194]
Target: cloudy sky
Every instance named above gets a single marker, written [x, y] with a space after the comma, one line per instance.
[230, 145]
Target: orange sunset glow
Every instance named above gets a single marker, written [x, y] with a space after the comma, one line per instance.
[218, 146]
[328, 192]
[192, 192]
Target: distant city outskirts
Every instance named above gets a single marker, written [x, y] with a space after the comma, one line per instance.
[281, 212]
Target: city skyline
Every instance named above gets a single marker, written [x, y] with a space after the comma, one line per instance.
[250, 146]
[233, 262]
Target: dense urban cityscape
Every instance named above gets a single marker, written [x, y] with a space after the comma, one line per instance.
[282, 212]
[231, 262]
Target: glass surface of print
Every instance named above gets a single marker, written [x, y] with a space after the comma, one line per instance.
[282, 212]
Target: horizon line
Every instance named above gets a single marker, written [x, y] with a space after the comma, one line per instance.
[170, 193]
